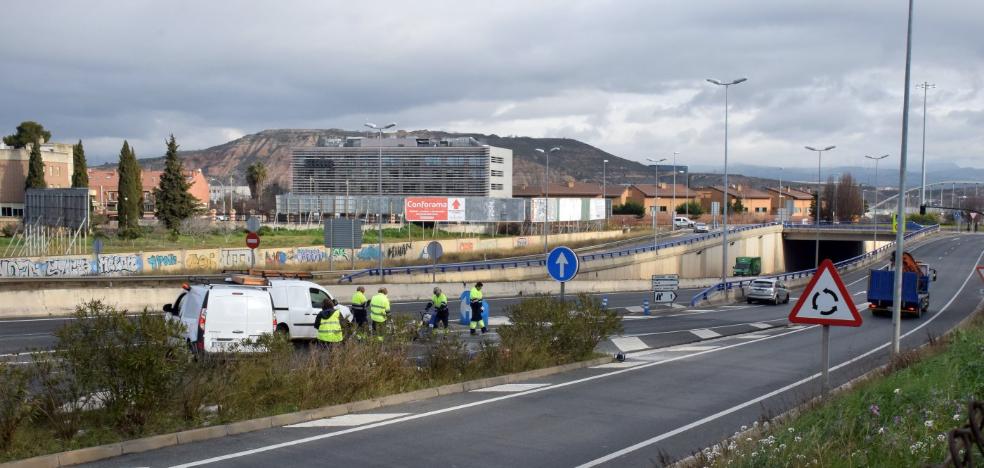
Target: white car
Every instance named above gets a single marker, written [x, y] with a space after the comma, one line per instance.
[223, 317]
[767, 290]
[682, 221]
[296, 303]
[701, 228]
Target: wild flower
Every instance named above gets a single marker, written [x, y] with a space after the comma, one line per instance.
[875, 411]
[929, 423]
[782, 446]
[755, 424]
[897, 391]
[956, 417]
[791, 430]
[941, 437]
[754, 453]
[797, 439]
[765, 425]
[881, 430]
[744, 428]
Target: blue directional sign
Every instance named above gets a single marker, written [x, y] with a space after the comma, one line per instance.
[562, 264]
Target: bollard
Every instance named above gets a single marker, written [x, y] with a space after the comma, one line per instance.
[604, 302]
[645, 306]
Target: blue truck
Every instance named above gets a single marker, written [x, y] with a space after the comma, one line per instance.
[915, 288]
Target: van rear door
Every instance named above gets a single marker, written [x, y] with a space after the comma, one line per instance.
[259, 315]
[302, 315]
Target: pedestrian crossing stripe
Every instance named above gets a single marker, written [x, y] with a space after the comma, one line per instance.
[512, 387]
[349, 420]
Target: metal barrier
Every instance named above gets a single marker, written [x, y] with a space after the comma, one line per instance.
[541, 262]
[719, 287]
[961, 441]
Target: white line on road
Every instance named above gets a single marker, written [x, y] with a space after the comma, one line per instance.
[349, 420]
[634, 309]
[617, 365]
[691, 349]
[760, 325]
[704, 333]
[514, 387]
[629, 343]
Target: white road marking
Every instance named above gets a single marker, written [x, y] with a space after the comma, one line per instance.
[514, 387]
[617, 365]
[634, 309]
[701, 310]
[750, 336]
[704, 333]
[771, 394]
[734, 307]
[629, 343]
[691, 349]
[860, 293]
[760, 325]
[349, 420]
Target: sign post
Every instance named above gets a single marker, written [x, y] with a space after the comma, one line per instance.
[252, 241]
[826, 302]
[562, 266]
[664, 288]
[434, 251]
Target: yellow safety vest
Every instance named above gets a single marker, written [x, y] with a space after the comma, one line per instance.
[359, 300]
[475, 295]
[330, 329]
[379, 306]
[438, 301]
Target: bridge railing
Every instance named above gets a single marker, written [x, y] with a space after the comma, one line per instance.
[540, 262]
[729, 285]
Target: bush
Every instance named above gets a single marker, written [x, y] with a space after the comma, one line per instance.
[630, 208]
[564, 331]
[927, 219]
[130, 364]
[693, 208]
[15, 405]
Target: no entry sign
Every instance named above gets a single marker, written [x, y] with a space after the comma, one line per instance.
[252, 240]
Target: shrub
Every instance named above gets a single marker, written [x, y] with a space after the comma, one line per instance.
[927, 219]
[59, 399]
[630, 208]
[565, 331]
[131, 364]
[693, 208]
[15, 405]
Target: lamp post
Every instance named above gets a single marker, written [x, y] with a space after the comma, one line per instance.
[673, 225]
[546, 195]
[604, 188]
[874, 216]
[379, 131]
[724, 232]
[922, 191]
[816, 217]
[655, 200]
[221, 191]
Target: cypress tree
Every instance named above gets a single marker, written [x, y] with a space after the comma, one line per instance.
[173, 202]
[35, 169]
[130, 194]
[80, 176]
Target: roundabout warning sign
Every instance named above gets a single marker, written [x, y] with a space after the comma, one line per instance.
[826, 301]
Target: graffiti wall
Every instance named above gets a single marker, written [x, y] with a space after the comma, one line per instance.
[55, 267]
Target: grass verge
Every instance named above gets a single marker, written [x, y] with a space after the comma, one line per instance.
[898, 417]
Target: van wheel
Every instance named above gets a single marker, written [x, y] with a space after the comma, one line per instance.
[787, 299]
[283, 329]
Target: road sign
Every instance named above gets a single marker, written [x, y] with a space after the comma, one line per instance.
[434, 250]
[825, 301]
[666, 282]
[97, 246]
[252, 240]
[562, 264]
[980, 271]
[664, 297]
[253, 224]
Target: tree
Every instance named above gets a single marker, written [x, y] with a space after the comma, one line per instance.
[28, 132]
[256, 175]
[692, 208]
[35, 169]
[737, 206]
[80, 176]
[130, 194]
[849, 202]
[629, 208]
[172, 201]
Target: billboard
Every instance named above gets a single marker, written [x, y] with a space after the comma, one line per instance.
[568, 209]
[429, 208]
[57, 207]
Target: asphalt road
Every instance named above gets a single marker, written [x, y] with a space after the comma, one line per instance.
[659, 405]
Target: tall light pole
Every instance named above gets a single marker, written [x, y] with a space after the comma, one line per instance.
[816, 217]
[604, 188]
[546, 195]
[874, 217]
[724, 232]
[656, 200]
[922, 191]
[675, 153]
[379, 131]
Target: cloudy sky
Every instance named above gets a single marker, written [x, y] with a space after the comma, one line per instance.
[626, 76]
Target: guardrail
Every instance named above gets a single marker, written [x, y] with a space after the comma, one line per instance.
[723, 287]
[541, 261]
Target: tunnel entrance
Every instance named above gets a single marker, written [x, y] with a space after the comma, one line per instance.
[800, 253]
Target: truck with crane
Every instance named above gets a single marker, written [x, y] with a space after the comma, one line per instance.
[916, 277]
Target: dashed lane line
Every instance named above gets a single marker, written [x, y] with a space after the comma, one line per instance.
[705, 334]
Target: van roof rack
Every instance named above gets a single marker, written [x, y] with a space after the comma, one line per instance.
[271, 273]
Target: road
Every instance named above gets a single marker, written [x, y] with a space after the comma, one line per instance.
[659, 405]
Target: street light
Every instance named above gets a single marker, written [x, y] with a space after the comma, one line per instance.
[604, 188]
[816, 217]
[926, 86]
[724, 232]
[673, 225]
[379, 130]
[874, 217]
[655, 200]
[546, 195]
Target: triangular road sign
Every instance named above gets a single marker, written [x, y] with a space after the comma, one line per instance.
[826, 301]
[980, 272]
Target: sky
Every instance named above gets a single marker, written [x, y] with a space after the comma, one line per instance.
[625, 76]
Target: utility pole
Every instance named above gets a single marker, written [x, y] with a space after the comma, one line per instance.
[922, 191]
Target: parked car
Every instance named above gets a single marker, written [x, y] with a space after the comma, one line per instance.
[767, 290]
[296, 303]
[701, 227]
[682, 221]
[223, 317]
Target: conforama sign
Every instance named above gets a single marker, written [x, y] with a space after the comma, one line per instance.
[426, 209]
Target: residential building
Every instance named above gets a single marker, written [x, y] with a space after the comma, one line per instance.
[800, 200]
[104, 189]
[755, 201]
[572, 189]
[220, 194]
[458, 167]
[58, 166]
[661, 196]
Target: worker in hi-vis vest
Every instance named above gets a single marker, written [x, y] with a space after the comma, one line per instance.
[475, 296]
[329, 324]
[379, 307]
[439, 301]
[359, 312]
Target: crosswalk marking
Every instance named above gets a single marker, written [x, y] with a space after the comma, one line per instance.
[634, 309]
[515, 387]
[617, 365]
[704, 333]
[628, 343]
[760, 325]
[348, 420]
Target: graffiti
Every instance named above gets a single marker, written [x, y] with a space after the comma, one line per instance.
[400, 250]
[340, 254]
[521, 242]
[466, 246]
[160, 261]
[59, 267]
[302, 255]
[111, 264]
[201, 261]
[235, 257]
[368, 253]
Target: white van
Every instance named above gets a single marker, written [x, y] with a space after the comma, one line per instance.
[682, 222]
[223, 317]
[296, 303]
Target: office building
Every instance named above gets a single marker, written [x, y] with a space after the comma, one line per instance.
[58, 166]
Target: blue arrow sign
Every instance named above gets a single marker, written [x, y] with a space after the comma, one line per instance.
[562, 264]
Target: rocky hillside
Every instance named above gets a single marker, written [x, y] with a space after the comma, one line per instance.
[576, 159]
